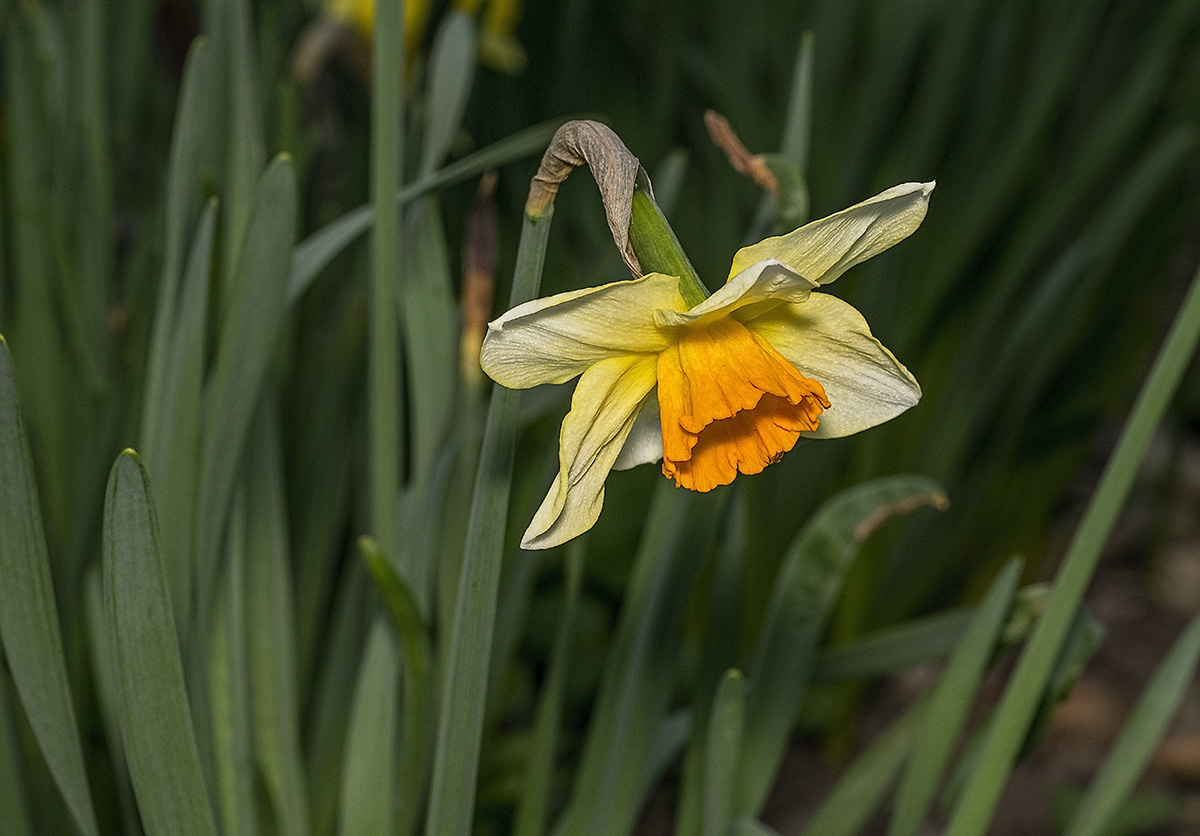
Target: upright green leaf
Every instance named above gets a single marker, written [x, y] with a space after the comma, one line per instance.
[451, 68]
[271, 634]
[430, 320]
[384, 431]
[181, 201]
[253, 317]
[722, 749]
[156, 725]
[460, 720]
[369, 775]
[228, 679]
[28, 617]
[245, 149]
[173, 467]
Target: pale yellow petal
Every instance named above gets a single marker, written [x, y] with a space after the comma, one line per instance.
[753, 290]
[645, 444]
[554, 339]
[824, 249]
[829, 341]
[603, 409]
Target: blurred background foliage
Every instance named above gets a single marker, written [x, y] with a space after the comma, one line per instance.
[1059, 242]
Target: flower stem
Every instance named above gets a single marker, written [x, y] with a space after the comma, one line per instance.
[658, 249]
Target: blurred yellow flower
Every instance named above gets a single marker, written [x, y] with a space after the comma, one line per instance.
[498, 48]
[725, 387]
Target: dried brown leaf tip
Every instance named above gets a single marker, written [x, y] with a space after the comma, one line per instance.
[479, 275]
[753, 166]
[614, 168]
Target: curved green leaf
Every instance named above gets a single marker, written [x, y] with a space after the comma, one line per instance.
[805, 592]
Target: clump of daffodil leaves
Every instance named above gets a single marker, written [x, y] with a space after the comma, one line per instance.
[715, 388]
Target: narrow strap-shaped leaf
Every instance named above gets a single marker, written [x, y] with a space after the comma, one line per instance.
[173, 467]
[451, 69]
[104, 675]
[245, 139]
[253, 316]
[28, 617]
[369, 775]
[720, 651]
[722, 748]
[156, 725]
[807, 588]
[460, 720]
[1020, 701]
[1140, 735]
[270, 626]
[330, 706]
[180, 201]
[384, 414]
[430, 318]
[894, 648]
[227, 677]
[948, 705]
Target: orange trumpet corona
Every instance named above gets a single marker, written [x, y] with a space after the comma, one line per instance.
[730, 403]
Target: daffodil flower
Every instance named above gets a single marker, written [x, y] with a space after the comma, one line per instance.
[723, 387]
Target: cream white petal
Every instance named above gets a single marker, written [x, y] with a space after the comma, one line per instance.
[603, 409]
[826, 248]
[645, 444]
[759, 286]
[554, 339]
[829, 341]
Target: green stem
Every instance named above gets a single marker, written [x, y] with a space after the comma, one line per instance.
[659, 250]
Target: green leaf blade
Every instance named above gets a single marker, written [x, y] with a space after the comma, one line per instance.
[1139, 736]
[156, 724]
[805, 592]
[949, 703]
[254, 316]
[28, 615]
